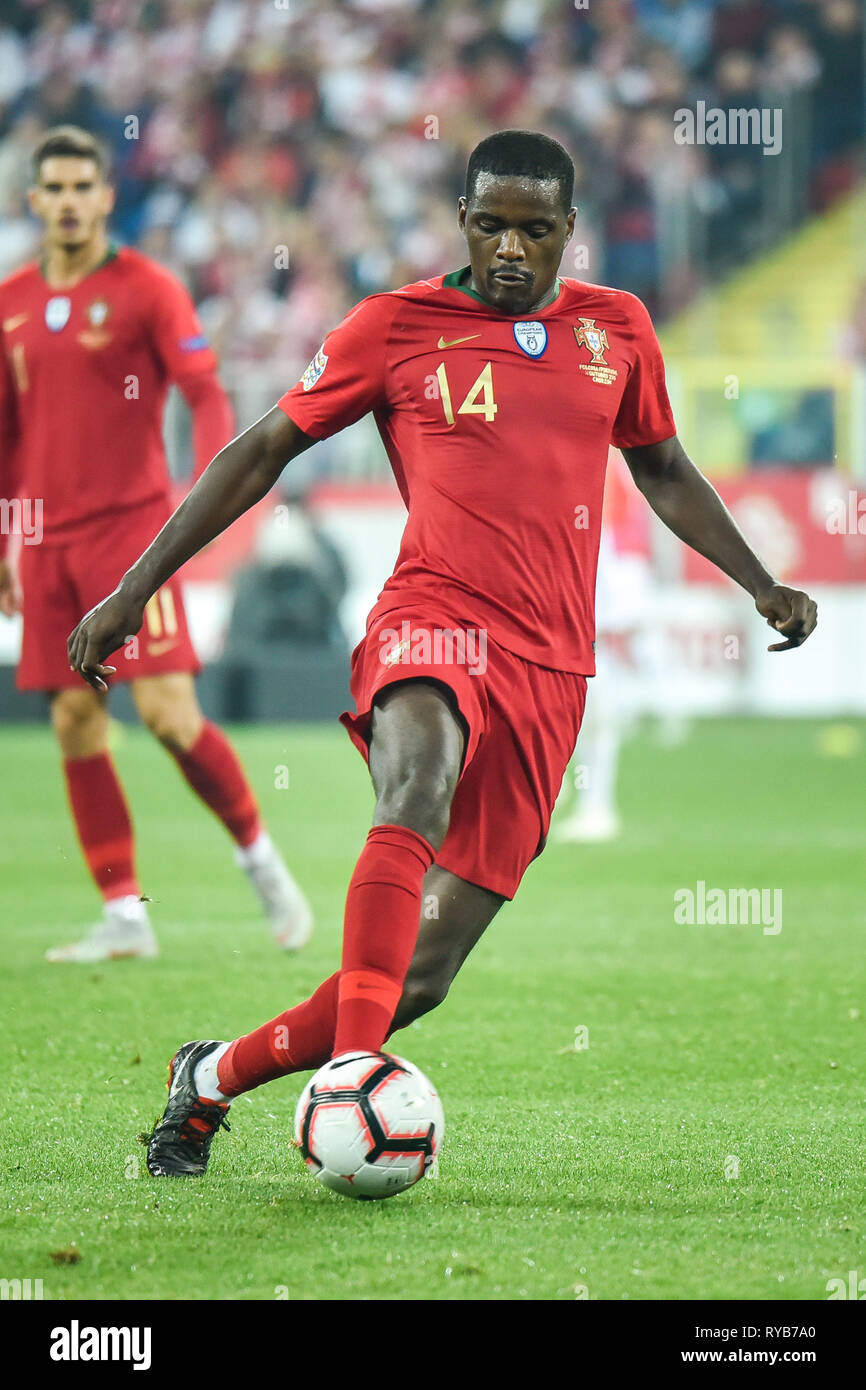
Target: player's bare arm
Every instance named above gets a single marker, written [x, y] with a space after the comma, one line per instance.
[689, 506]
[240, 475]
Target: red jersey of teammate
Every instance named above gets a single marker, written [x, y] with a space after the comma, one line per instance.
[83, 378]
[497, 429]
[625, 518]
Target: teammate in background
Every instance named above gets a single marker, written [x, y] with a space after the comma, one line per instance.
[623, 613]
[90, 339]
[497, 389]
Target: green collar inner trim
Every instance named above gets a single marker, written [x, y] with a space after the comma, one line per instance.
[453, 281]
[109, 256]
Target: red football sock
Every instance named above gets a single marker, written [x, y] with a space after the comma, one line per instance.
[214, 772]
[103, 823]
[385, 887]
[383, 908]
[298, 1040]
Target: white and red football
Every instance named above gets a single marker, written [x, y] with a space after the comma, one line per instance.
[369, 1124]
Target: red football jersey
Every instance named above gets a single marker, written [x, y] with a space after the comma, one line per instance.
[84, 373]
[497, 429]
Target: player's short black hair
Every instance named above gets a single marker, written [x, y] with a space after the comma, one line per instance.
[71, 140]
[522, 152]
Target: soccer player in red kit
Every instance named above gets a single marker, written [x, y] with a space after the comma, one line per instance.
[497, 390]
[90, 339]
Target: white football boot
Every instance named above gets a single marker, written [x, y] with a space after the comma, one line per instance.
[285, 906]
[123, 933]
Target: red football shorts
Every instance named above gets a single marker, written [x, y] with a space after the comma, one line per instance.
[522, 722]
[60, 583]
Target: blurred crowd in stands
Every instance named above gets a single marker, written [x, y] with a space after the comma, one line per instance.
[339, 130]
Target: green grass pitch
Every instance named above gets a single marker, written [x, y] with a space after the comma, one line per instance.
[707, 1142]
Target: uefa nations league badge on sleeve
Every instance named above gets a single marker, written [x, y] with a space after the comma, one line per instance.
[315, 369]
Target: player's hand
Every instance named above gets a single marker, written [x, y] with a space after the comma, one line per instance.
[791, 612]
[109, 625]
[10, 594]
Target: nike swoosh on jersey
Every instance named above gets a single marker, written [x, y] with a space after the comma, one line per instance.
[10, 324]
[453, 342]
[159, 648]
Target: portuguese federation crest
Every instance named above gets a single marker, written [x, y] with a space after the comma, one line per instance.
[97, 313]
[595, 341]
[593, 338]
[97, 335]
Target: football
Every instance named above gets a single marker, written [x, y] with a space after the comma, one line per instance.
[369, 1125]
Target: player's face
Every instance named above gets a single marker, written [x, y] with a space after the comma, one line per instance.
[72, 199]
[516, 229]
